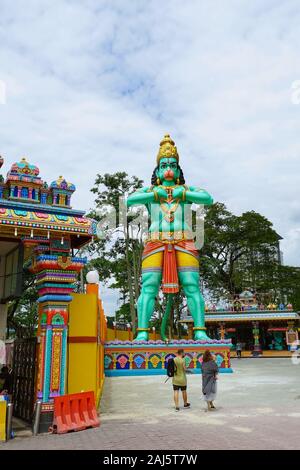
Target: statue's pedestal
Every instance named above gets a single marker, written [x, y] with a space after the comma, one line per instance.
[151, 357]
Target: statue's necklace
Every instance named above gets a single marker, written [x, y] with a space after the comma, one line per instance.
[169, 191]
[169, 211]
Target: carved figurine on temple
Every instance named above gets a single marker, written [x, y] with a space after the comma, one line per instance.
[237, 305]
[170, 257]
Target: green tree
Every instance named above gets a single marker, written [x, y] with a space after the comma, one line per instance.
[117, 255]
[22, 315]
[289, 284]
[240, 252]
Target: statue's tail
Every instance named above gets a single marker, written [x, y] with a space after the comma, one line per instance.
[165, 317]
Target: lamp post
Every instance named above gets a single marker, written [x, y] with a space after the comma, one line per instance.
[92, 279]
[115, 329]
[154, 333]
[129, 331]
[257, 348]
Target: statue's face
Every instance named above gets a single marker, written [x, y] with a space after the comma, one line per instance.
[168, 170]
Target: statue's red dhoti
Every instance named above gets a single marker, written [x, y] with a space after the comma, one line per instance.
[170, 258]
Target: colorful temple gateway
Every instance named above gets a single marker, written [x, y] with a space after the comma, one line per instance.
[39, 231]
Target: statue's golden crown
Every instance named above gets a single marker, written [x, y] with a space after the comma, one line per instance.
[167, 149]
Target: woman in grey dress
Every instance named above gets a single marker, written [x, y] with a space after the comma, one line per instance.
[209, 379]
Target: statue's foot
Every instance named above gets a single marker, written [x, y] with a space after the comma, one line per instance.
[200, 335]
[142, 336]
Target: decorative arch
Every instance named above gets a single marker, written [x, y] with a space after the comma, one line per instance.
[57, 319]
[24, 193]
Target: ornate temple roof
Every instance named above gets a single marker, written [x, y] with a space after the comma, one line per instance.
[29, 208]
[42, 221]
[24, 171]
[61, 183]
[247, 316]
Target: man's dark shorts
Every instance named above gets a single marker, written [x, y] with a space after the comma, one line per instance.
[179, 387]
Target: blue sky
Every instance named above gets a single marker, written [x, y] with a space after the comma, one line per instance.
[92, 86]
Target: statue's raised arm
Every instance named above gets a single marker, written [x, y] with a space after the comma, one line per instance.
[141, 196]
[198, 196]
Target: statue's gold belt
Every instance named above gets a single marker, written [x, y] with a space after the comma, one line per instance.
[170, 237]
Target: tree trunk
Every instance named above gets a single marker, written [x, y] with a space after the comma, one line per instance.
[130, 286]
[137, 261]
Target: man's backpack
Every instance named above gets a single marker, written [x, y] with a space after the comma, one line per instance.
[171, 367]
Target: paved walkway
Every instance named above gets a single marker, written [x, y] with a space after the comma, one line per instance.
[258, 408]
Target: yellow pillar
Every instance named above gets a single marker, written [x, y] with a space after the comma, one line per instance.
[83, 358]
[87, 335]
[3, 405]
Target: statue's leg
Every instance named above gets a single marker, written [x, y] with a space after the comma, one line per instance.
[190, 282]
[145, 305]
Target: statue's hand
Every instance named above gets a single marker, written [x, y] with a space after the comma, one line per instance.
[178, 192]
[161, 192]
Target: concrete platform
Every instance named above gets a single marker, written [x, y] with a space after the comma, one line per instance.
[265, 354]
[258, 407]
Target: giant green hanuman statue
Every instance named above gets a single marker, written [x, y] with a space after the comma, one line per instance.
[170, 257]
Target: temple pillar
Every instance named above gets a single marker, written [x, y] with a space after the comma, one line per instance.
[257, 351]
[4, 306]
[56, 277]
[222, 330]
